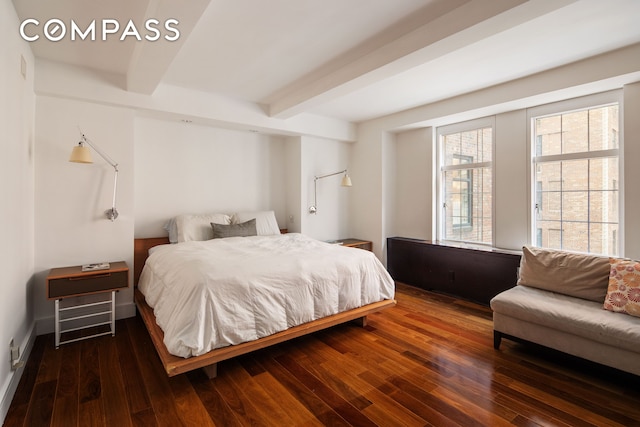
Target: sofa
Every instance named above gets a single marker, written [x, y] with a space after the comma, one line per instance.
[580, 304]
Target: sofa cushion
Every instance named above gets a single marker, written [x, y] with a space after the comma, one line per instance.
[623, 294]
[579, 275]
[576, 316]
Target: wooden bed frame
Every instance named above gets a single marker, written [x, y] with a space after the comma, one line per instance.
[175, 365]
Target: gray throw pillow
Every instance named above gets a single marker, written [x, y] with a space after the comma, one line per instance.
[243, 229]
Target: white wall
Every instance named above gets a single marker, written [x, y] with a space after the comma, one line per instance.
[294, 207]
[70, 198]
[188, 168]
[388, 192]
[367, 200]
[631, 171]
[17, 110]
[510, 180]
[414, 185]
[321, 157]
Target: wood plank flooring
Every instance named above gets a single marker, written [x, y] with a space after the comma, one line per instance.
[429, 361]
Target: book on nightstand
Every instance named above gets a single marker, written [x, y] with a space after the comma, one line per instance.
[97, 266]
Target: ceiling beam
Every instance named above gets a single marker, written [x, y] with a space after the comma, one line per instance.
[463, 25]
[150, 60]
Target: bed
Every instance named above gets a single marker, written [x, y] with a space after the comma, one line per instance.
[205, 300]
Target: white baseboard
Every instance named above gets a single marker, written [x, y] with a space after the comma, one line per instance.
[7, 395]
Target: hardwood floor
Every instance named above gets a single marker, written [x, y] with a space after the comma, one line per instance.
[429, 361]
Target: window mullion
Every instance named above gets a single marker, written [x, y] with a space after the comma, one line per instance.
[466, 166]
[613, 152]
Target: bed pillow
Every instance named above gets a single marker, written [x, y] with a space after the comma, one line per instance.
[623, 294]
[266, 224]
[171, 228]
[197, 227]
[579, 275]
[244, 229]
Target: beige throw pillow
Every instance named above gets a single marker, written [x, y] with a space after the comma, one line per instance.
[578, 275]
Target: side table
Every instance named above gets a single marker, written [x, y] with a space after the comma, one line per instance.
[356, 243]
[69, 282]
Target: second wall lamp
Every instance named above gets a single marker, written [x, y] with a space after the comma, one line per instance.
[346, 182]
[82, 154]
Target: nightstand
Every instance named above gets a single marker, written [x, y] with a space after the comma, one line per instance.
[72, 282]
[356, 243]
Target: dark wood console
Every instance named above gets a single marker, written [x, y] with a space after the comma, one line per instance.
[470, 273]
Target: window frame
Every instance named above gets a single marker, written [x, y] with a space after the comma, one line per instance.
[440, 132]
[469, 192]
[566, 107]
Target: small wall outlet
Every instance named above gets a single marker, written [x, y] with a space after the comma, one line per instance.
[291, 220]
[15, 356]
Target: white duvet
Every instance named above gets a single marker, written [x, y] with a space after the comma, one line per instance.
[221, 292]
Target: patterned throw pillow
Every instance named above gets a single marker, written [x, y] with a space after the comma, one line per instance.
[623, 293]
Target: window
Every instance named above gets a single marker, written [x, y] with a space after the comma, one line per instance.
[575, 175]
[466, 182]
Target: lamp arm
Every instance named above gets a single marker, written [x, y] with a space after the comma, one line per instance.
[97, 149]
[112, 213]
[313, 209]
[328, 175]
[115, 187]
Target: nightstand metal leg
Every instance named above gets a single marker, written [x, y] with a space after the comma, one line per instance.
[57, 323]
[113, 313]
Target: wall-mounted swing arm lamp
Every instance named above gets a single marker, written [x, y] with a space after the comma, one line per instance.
[82, 154]
[346, 182]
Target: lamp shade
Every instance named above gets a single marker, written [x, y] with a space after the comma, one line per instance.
[81, 154]
[346, 181]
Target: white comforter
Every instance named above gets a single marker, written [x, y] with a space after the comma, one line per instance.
[221, 292]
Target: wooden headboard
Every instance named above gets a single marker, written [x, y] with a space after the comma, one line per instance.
[141, 252]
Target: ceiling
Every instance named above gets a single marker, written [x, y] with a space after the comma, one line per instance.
[353, 60]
